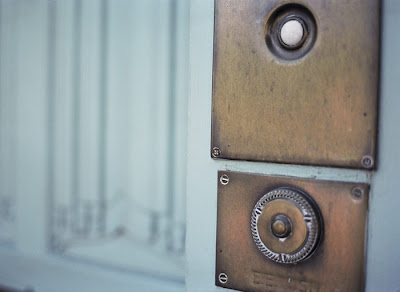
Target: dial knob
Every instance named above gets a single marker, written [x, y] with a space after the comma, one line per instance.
[286, 225]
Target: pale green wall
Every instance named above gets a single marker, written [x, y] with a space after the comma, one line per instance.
[383, 255]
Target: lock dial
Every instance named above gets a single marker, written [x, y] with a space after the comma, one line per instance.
[286, 225]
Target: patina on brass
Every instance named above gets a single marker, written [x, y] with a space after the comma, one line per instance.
[336, 265]
[281, 226]
[298, 234]
[316, 104]
[286, 225]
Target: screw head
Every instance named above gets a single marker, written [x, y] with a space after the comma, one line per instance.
[223, 278]
[367, 161]
[216, 152]
[224, 179]
[357, 193]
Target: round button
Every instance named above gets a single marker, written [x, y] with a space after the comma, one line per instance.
[286, 225]
[281, 226]
[292, 33]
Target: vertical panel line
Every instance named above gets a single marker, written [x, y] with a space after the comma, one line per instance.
[76, 76]
[13, 111]
[2, 126]
[171, 124]
[51, 25]
[103, 117]
[1, 82]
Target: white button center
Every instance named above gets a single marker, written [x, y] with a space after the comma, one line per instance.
[292, 33]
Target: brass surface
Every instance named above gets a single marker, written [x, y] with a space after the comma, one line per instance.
[336, 265]
[302, 210]
[319, 109]
[281, 226]
[299, 229]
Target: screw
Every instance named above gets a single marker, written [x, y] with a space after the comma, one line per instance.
[367, 161]
[223, 278]
[224, 179]
[216, 152]
[357, 193]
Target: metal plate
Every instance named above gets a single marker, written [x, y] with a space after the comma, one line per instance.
[338, 263]
[319, 109]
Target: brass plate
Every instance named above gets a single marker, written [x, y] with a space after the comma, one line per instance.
[320, 109]
[338, 263]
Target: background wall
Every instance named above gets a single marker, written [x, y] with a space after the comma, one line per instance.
[383, 257]
[93, 124]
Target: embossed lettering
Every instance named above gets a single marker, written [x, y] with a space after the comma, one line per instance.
[277, 283]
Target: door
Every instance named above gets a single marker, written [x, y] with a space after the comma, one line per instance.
[382, 256]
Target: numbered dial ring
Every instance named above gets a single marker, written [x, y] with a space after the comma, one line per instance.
[286, 225]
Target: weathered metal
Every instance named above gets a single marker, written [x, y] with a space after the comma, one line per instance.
[316, 104]
[298, 218]
[336, 265]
